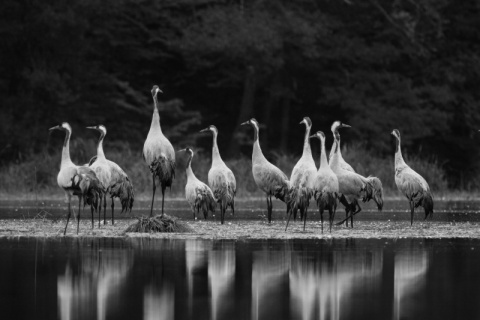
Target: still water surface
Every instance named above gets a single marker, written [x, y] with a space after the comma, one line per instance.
[201, 279]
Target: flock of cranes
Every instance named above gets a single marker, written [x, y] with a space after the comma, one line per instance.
[334, 181]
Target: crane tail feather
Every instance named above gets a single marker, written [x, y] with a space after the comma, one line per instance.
[164, 169]
[427, 204]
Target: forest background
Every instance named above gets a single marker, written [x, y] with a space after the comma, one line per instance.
[376, 65]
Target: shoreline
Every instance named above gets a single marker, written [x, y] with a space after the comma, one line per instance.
[243, 230]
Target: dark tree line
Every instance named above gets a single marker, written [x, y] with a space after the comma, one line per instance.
[377, 65]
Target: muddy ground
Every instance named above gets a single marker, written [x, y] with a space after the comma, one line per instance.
[244, 229]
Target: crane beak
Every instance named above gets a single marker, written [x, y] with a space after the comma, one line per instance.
[314, 136]
[303, 121]
[205, 130]
[244, 123]
[54, 128]
[94, 128]
[345, 125]
[183, 150]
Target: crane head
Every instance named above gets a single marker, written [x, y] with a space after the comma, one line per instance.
[307, 122]
[320, 135]
[338, 124]
[252, 121]
[156, 90]
[100, 128]
[65, 126]
[396, 133]
[211, 128]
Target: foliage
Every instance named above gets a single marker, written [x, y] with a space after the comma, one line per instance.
[376, 65]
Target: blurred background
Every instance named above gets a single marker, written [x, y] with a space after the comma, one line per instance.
[376, 65]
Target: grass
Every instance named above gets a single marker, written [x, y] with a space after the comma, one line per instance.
[35, 177]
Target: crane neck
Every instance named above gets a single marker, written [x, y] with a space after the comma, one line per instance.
[100, 153]
[307, 150]
[323, 155]
[257, 155]
[189, 171]
[215, 152]
[155, 125]
[66, 161]
[335, 152]
[398, 154]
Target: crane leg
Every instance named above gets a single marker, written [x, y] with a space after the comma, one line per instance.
[163, 198]
[304, 219]
[153, 195]
[321, 217]
[68, 217]
[269, 208]
[412, 208]
[330, 214]
[113, 206]
[105, 208]
[78, 213]
[99, 211]
[91, 210]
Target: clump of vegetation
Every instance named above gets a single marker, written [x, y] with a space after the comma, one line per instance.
[159, 223]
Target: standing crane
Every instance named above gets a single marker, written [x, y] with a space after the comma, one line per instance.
[352, 186]
[268, 178]
[301, 181]
[158, 153]
[410, 183]
[118, 184]
[221, 178]
[325, 186]
[377, 195]
[76, 180]
[198, 194]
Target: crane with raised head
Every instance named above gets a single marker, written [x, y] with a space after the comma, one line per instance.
[76, 180]
[115, 180]
[375, 182]
[198, 194]
[352, 186]
[410, 183]
[158, 153]
[301, 180]
[221, 178]
[325, 185]
[268, 177]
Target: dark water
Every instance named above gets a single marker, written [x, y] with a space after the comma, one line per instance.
[193, 279]
[248, 209]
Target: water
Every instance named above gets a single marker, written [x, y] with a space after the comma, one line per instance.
[197, 279]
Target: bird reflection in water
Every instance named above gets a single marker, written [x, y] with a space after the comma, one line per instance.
[269, 274]
[410, 270]
[159, 302]
[100, 273]
[319, 290]
[221, 273]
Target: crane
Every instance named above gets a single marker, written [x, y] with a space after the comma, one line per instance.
[410, 183]
[375, 182]
[76, 180]
[325, 186]
[198, 194]
[301, 180]
[352, 186]
[118, 184]
[158, 153]
[268, 177]
[221, 178]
